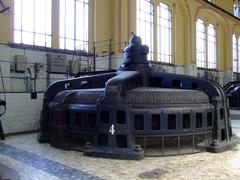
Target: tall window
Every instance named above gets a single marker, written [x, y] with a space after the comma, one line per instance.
[74, 24]
[32, 22]
[164, 33]
[145, 24]
[201, 44]
[236, 53]
[206, 45]
[212, 47]
[236, 8]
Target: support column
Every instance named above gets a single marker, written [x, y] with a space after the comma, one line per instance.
[55, 23]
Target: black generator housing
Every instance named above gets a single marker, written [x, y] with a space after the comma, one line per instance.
[136, 112]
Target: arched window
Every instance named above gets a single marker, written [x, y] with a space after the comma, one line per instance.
[236, 53]
[73, 28]
[201, 44]
[164, 33]
[32, 22]
[206, 45]
[145, 24]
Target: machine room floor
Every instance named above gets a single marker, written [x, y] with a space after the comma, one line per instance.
[22, 157]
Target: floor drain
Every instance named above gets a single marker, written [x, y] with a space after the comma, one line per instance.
[153, 174]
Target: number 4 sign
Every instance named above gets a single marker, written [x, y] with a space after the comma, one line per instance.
[112, 130]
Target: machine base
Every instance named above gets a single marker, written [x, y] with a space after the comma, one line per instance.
[43, 137]
[220, 147]
[115, 153]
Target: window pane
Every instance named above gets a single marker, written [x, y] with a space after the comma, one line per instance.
[73, 24]
[81, 24]
[27, 38]
[164, 33]
[28, 15]
[145, 24]
[17, 36]
[238, 61]
[62, 18]
[212, 47]
[40, 13]
[235, 53]
[40, 39]
[70, 44]
[70, 11]
[62, 43]
[48, 17]
[79, 45]
[201, 44]
[17, 15]
[80, 21]
[32, 21]
[85, 45]
[48, 41]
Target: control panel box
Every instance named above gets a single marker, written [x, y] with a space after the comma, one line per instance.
[56, 63]
[20, 63]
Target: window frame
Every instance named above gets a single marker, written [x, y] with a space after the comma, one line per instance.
[19, 30]
[168, 57]
[236, 69]
[205, 63]
[152, 24]
[78, 44]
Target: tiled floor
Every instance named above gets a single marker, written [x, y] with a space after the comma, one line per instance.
[31, 160]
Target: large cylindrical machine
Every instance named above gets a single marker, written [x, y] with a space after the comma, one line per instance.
[232, 90]
[135, 112]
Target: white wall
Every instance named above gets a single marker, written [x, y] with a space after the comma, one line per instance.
[22, 113]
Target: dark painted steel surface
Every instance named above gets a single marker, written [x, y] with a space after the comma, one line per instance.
[232, 90]
[136, 111]
[2, 111]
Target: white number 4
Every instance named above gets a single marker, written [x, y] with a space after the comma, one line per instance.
[112, 130]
